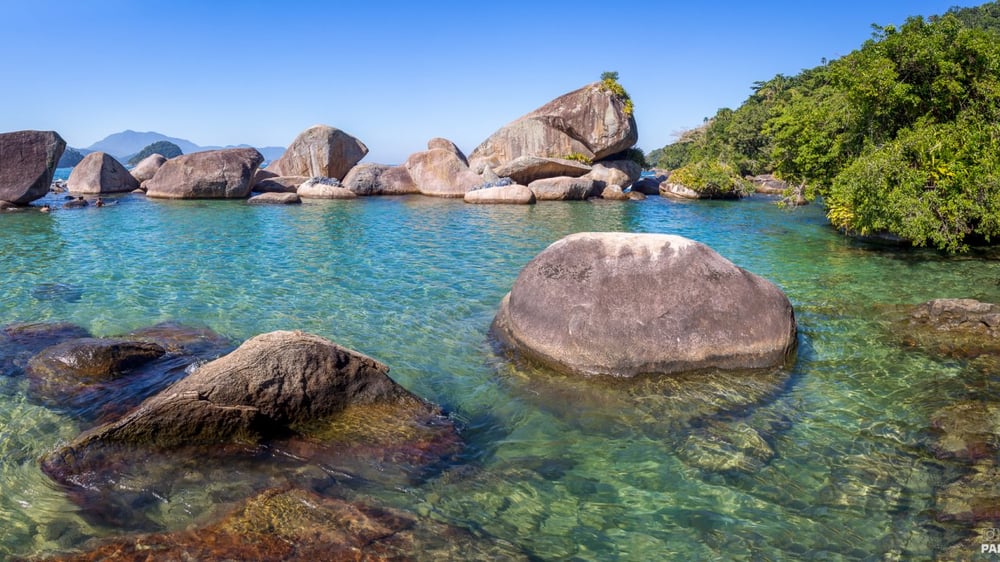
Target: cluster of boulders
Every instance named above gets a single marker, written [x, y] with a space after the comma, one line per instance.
[571, 148]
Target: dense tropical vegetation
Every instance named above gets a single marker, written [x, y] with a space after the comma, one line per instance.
[901, 136]
[164, 148]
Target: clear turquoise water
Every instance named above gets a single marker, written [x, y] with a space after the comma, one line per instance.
[415, 282]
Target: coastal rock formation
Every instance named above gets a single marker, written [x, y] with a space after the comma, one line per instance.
[504, 194]
[215, 174]
[27, 162]
[768, 184]
[649, 185]
[275, 199]
[678, 191]
[278, 184]
[440, 172]
[147, 167]
[99, 172]
[20, 342]
[591, 121]
[363, 179]
[321, 151]
[563, 189]
[625, 304]
[445, 144]
[324, 188]
[281, 525]
[526, 169]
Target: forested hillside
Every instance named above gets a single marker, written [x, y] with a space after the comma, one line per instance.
[901, 136]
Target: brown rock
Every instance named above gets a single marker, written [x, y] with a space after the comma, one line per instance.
[27, 162]
[445, 144]
[20, 342]
[320, 151]
[636, 196]
[768, 184]
[279, 184]
[215, 174]
[590, 121]
[505, 194]
[678, 191]
[625, 304]
[363, 179]
[275, 199]
[953, 327]
[616, 172]
[147, 167]
[397, 181]
[967, 430]
[441, 173]
[100, 173]
[563, 189]
[527, 169]
[971, 498]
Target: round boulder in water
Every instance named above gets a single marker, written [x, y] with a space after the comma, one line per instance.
[625, 304]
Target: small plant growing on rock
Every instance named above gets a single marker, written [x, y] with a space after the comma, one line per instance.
[578, 157]
[609, 81]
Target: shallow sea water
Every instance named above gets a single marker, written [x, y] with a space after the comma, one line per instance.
[415, 282]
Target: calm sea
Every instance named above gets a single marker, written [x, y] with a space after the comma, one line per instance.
[415, 282]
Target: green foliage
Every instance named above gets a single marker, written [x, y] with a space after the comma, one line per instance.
[638, 156]
[609, 81]
[578, 157]
[164, 148]
[712, 178]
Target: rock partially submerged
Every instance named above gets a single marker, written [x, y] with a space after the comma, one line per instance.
[625, 304]
[27, 163]
[440, 172]
[215, 174]
[324, 188]
[20, 342]
[954, 327]
[278, 184]
[505, 195]
[301, 396]
[563, 189]
[275, 199]
[147, 167]
[100, 173]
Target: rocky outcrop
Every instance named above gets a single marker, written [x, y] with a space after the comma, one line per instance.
[147, 167]
[100, 173]
[364, 179]
[591, 121]
[320, 151]
[215, 174]
[440, 172]
[397, 181]
[505, 194]
[649, 185]
[20, 342]
[678, 191]
[625, 304]
[563, 189]
[445, 144]
[527, 169]
[768, 184]
[324, 188]
[279, 184]
[275, 199]
[27, 162]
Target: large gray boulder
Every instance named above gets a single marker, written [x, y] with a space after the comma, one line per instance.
[615, 172]
[320, 151]
[215, 174]
[99, 172]
[27, 162]
[591, 122]
[440, 172]
[625, 304]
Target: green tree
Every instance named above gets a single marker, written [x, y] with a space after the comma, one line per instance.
[164, 148]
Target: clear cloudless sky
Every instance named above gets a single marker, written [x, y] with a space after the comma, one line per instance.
[396, 74]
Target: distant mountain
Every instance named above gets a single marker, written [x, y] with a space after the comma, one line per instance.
[70, 157]
[126, 143]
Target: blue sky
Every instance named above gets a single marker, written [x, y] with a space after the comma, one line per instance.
[221, 72]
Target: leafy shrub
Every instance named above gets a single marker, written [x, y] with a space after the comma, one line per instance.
[712, 178]
[609, 81]
[578, 157]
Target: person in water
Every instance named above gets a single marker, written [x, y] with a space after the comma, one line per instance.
[99, 202]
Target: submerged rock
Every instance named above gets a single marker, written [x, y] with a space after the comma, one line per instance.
[27, 163]
[214, 174]
[721, 447]
[625, 304]
[100, 173]
[322, 151]
[20, 342]
[954, 327]
[284, 525]
[973, 497]
[967, 430]
[274, 199]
